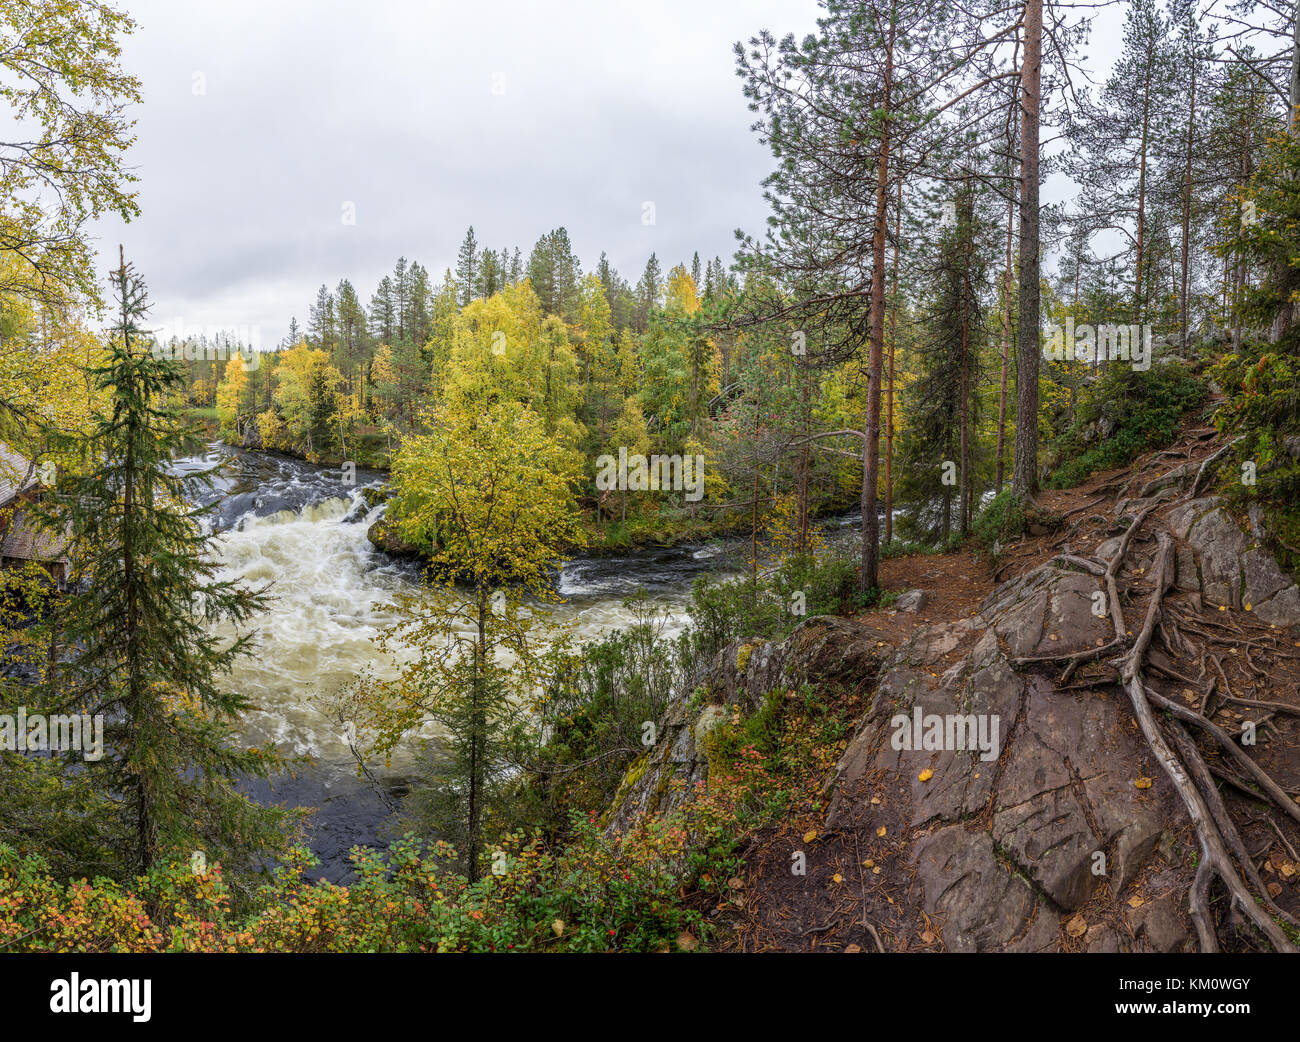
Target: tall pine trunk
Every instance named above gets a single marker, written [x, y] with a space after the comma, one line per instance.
[889, 381]
[1024, 473]
[870, 576]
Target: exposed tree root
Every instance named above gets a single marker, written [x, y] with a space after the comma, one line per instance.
[1224, 857]
[1214, 850]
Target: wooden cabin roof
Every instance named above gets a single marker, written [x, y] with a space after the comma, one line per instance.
[17, 474]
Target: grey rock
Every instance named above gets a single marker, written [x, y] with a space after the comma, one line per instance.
[1282, 610]
[1159, 923]
[1263, 577]
[1101, 939]
[911, 601]
[1181, 518]
[1108, 548]
[1187, 577]
[1219, 545]
[983, 905]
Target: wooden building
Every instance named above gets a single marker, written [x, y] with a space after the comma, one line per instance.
[23, 538]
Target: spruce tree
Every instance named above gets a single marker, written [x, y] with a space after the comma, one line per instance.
[140, 646]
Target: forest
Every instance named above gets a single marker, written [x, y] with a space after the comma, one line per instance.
[1003, 288]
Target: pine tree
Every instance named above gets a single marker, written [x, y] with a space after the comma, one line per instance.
[350, 317]
[942, 402]
[1119, 139]
[322, 324]
[467, 268]
[647, 294]
[383, 315]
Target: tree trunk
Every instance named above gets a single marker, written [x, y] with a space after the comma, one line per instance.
[1185, 260]
[1006, 351]
[889, 378]
[889, 381]
[476, 724]
[1142, 190]
[869, 579]
[1293, 99]
[1286, 314]
[1024, 474]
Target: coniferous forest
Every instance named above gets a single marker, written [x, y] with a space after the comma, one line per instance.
[916, 569]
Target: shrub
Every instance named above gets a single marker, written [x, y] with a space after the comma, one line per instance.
[1000, 521]
[1136, 410]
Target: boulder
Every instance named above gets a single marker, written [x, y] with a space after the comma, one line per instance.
[383, 537]
[911, 601]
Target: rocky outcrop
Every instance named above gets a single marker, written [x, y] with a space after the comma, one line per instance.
[1046, 815]
[1019, 816]
[823, 648]
[1046, 805]
[383, 536]
[1233, 569]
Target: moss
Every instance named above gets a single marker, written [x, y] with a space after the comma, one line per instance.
[635, 772]
[742, 657]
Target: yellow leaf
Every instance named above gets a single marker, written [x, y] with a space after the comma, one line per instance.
[1142, 783]
[810, 835]
[880, 831]
[839, 878]
[925, 775]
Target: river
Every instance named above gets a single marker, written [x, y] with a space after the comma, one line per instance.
[301, 529]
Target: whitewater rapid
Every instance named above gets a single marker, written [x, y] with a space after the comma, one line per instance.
[298, 532]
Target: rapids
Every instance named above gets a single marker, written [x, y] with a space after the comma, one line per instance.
[300, 530]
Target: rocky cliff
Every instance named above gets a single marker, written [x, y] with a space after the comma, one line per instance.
[989, 800]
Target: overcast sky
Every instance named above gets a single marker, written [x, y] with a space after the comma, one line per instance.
[262, 118]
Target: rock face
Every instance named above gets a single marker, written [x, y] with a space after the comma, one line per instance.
[383, 536]
[1030, 817]
[911, 600]
[1010, 836]
[1233, 569]
[823, 648]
